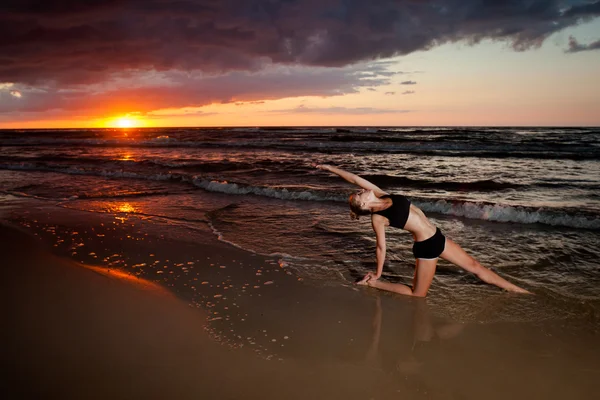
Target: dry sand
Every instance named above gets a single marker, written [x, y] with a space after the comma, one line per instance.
[72, 333]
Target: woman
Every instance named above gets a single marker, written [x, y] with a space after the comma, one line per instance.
[430, 243]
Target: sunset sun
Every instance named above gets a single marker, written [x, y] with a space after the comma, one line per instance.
[124, 123]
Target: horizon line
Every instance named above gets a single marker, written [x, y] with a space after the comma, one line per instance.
[306, 126]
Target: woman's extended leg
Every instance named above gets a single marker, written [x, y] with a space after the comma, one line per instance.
[457, 256]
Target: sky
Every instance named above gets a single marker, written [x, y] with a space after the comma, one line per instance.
[150, 63]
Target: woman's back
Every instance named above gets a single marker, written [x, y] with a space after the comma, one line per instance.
[419, 225]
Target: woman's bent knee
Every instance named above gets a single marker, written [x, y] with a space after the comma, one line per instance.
[419, 294]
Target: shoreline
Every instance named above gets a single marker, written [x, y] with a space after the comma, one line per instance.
[78, 330]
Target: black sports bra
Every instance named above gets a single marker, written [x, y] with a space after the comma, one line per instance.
[398, 212]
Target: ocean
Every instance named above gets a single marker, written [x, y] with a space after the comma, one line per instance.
[524, 201]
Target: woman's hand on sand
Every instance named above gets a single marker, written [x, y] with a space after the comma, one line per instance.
[369, 277]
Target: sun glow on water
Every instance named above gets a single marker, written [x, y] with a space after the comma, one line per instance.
[125, 208]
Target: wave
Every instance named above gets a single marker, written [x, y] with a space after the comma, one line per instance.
[471, 210]
[479, 185]
[369, 138]
[256, 167]
[127, 195]
[439, 142]
[17, 193]
[73, 170]
[229, 166]
[273, 192]
[51, 162]
[482, 185]
[206, 184]
[210, 215]
[474, 210]
[508, 213]
[466, 209]
[579, 154]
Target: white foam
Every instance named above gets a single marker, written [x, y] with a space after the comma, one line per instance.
[506, 213]
[222, 239]
[277, 193]
[32, 196]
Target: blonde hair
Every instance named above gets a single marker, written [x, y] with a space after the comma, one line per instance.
[355, 209]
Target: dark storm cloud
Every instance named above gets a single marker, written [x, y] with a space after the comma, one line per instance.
[575, 46]
[82, 42]
[584, 9]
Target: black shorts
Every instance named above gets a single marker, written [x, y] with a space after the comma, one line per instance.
[431, 248]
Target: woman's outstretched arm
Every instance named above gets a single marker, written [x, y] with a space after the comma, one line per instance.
[352, 178]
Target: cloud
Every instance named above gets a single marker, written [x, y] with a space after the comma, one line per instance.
[242, 103]
[586, 9]
[176, 114]
[408, 83]
[390, 93]
[408, 92]
[74, 58]
[74, 43]
[575, 46]
[141, 93]
[337, 110]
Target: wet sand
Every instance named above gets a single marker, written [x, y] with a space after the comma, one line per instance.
[82, 330]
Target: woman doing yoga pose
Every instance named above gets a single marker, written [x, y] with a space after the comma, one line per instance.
[430, 244]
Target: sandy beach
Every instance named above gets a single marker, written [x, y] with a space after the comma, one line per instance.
[247, 327]
[75, 333]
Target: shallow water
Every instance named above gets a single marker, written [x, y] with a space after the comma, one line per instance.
[523, 201]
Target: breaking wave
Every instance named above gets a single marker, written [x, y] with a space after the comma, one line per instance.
[516, 214]
[567, 217]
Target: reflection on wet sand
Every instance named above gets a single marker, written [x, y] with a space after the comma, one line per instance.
[127, 277]
[423, 333]
[124, 208]
[446, 359]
